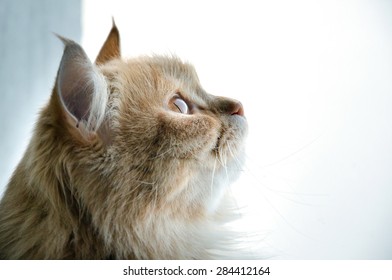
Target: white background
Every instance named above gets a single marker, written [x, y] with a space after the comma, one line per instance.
[315, 78]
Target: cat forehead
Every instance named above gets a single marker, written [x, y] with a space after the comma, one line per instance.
[170, 66]
[181, 76]
[151, 70]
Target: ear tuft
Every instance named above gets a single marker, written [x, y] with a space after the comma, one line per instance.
[111, 48]
[82, 89]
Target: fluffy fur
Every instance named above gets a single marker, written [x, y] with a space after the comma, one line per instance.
[116, 171]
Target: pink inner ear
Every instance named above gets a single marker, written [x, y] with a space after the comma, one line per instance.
[82, 90]
[75, 91]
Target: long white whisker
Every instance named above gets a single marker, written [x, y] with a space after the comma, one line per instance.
[249, 171]
[235, 158]
[219, 157]
[213, 177]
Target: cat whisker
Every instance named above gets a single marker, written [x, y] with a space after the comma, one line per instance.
[235, 158]
[222, 159]
[276, 191]
[213, 176]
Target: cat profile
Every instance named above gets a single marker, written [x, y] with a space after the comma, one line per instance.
[130, 159]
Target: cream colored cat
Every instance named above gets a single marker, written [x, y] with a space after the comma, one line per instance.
[130, 159]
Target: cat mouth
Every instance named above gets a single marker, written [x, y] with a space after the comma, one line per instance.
[222, 142]
[230, 138]
[218, 142]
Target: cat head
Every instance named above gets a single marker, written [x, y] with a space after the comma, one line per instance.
[143, 131]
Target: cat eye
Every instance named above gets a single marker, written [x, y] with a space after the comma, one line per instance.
[181, 105]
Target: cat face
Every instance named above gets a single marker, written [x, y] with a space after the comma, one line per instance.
[168, 128]
[165, 144]
[161, 104]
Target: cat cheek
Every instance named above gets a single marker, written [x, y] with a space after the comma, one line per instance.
[188, 136]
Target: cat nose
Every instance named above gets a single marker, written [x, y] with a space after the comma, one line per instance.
[237, 109]
[231, 107]
[228, 106]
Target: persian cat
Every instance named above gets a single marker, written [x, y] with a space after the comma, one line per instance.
[130, 159]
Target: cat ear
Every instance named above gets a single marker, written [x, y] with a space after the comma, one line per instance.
[111, 47]
[82, 89]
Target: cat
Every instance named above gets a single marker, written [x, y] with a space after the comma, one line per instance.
[130, 159]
